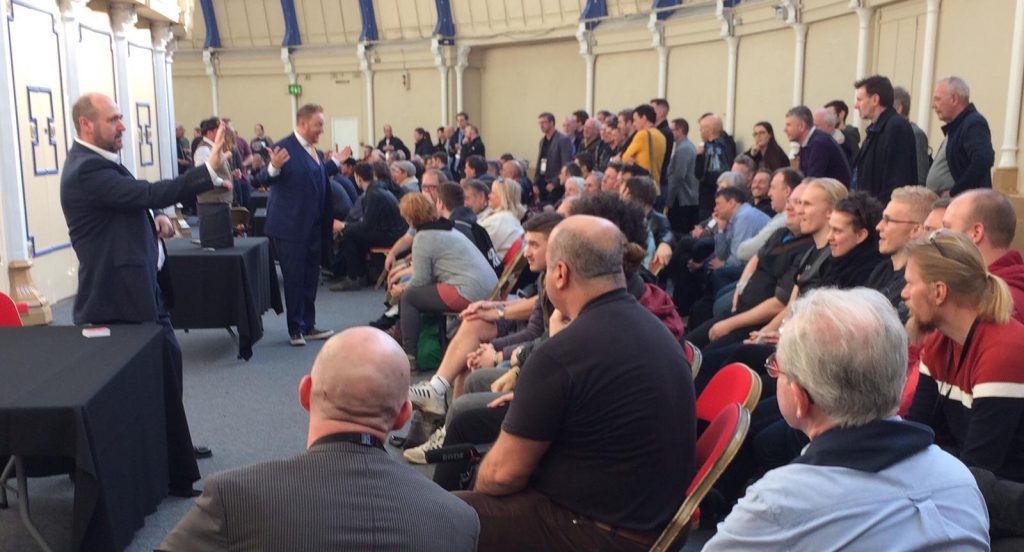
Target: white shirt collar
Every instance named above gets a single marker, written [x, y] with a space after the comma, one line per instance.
[302, 140]
[109, 156]
[808, 139]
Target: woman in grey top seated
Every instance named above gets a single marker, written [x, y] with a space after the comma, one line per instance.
[448, 271]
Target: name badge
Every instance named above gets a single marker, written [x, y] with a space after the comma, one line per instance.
[543, 165]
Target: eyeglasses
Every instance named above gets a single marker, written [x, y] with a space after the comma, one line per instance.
[933, 239]
[889, 220]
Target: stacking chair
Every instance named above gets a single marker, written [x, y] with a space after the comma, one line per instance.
[383, 273]
[240, 216]
[693, 356]
[716, 448]
[734, 383]
[509, 278]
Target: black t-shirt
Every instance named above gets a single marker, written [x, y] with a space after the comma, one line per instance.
[890, 283]
[807, 274]
[613, 395]
[777, 263]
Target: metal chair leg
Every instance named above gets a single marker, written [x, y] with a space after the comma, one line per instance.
[19, 468]
[3, 482]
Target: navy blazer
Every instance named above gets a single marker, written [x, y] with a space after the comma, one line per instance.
[300, 196]
[824, 157]
[112, 233]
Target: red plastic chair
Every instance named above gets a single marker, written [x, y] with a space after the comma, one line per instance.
[734, 383]
[715, 450]
[693, 356]
[512, 254]
[10, 312]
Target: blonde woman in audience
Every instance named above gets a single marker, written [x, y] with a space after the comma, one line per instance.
[503, 223]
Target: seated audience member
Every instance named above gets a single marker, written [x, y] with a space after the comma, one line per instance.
[1005, 500]
[403, 173]
[756, 299]
[610, 182]
[902, 222]
[868, 480]
[759, 192]
[745, 167]
[970, 381]
[448, 271]
[740, 221]
[476, 192]
[580, 407]
[381, 224]
[505, 212]
[344, 492]
[585, 162]
[934, 220]
[660, 239]
[486, 338]
[513, 170]
[593, 183]
[781, 184]
[574, 186]
[476, 169]
[988, 219]
[766, 151]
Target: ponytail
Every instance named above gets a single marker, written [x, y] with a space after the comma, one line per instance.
[998, 303]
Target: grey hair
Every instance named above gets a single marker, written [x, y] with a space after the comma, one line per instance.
[598, 176]
[958, 87]
[901, 96]
[828, 116]
[732, 179]
[848, 350]
[586, 257]
[577, 181]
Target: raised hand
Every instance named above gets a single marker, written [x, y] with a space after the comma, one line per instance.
[278, 156]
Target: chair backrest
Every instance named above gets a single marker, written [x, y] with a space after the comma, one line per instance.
[9, 316]
[509, 278]
[513, 253]
[734, 383]
[240, 215]
[693, 356]
[715, 450]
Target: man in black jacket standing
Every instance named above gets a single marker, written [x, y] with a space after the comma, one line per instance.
[888, 157]
[969, 153]
[120, 250]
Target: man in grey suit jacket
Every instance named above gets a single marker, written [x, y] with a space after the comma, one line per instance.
[683, 186]
[344, 492]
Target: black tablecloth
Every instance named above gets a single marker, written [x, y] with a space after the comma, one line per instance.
[100, 402]
[224, 288]
[258, 200]
[259, 221]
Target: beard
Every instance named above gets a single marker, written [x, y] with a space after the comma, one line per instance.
[918, 329]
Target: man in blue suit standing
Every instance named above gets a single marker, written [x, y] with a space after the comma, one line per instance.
[120, 250]
[299, 219]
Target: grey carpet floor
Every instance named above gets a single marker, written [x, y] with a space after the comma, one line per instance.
[245, 411]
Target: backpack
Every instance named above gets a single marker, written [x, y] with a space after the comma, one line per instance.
[479, 236]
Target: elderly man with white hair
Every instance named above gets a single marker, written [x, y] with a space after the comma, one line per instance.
[868, 480]
[965, 157]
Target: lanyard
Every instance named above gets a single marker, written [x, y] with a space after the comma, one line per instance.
[950, 373]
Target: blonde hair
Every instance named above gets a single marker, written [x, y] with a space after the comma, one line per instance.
[509, 196]
[834, 189]
[953, 259]
[918, 198]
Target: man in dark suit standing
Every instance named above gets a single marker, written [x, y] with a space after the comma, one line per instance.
[391, 143]
[299, 219]
[120, 251]
[888, 157]
[820, 154]
[345, 492]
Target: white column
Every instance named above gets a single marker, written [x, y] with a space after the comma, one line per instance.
[863, 36]
[730, 85]
[69, 10]
[586, 39]
[657, 29]
[169, 108]
[12, 198]
[123, 18]
[461, 62]
[363, 52]
[210, 63]
[799, 56]
[924, 91]
[289, 69]
[437, 49]
[1011, 128]
[161, 32]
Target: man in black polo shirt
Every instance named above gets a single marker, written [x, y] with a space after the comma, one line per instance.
[598, 445]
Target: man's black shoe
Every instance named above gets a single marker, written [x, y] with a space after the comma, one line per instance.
[184, 492]
[385, 322]
[202, 452]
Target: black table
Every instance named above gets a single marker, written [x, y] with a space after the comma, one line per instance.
[224, 288]
[102, 403]
[259, 221]
[258, 200]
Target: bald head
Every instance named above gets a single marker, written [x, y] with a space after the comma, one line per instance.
[361, 376]
[590, 246]
[97, 121]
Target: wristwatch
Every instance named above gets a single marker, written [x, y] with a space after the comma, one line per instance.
[501, 311]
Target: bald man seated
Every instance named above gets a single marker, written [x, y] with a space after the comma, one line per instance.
[598, 442]
[344, 492]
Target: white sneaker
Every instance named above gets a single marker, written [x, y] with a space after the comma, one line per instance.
[418, 455]
[425, 398]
